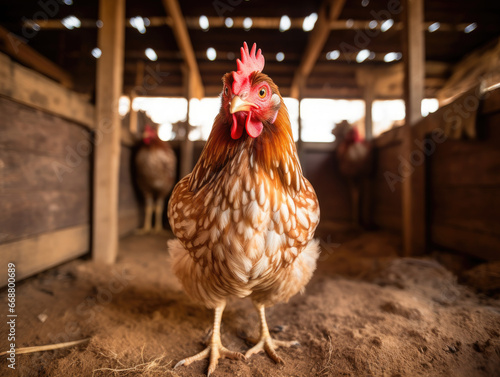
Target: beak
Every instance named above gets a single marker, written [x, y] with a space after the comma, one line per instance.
[237, 104]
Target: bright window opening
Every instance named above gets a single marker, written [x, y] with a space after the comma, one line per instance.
[202, 114]
[387, 114]
[319, 117]
[164, 111]
[390, 114]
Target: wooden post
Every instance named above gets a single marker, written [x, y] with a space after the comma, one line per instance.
[139, 82]
[187, 144]
[107, 142]
[413, 206]
[368, 97]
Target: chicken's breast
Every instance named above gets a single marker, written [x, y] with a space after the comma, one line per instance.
[243, 234]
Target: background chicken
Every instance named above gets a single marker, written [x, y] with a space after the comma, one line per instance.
[355, 161]
[245, 217]
[156, 166]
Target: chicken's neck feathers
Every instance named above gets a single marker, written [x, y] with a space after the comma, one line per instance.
[272, 154]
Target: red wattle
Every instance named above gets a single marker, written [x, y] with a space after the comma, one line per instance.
[254, 127]
[236, 129]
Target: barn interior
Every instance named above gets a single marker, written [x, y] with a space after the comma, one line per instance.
[408, 279]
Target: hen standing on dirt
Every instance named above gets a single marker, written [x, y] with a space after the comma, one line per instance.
[245, 217]
[156, 165]
[355, 160]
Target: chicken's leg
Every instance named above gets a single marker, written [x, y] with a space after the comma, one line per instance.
[265, 342]
[147, 216]
[160, 202]
[215, 349]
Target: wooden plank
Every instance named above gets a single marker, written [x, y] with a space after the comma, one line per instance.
[38, 253]
[391, 137]
[387, 196]
[414, 227]
[492, 103]
[107, 154]
[183, 40]
[19, 50]
[386, 218]
[33, 89]
[25, 171]
[471, 208]
[45, 172]
[330, 11]
[482, 245]
[25, 213]
[465, 163]
[36, 132]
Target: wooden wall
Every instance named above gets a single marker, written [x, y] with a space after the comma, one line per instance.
[464, 192]
[385, 197]
[46, 172]
[320, 166]
[45, 197]
[461, 180]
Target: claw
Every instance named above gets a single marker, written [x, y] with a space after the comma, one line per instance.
[213, 352]
[278, 328]
[180, 363]
[269, 345]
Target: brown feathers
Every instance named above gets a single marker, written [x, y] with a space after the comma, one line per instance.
[245, 217]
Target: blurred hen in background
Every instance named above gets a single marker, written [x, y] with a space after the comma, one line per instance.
[156, 167]
[355, 161]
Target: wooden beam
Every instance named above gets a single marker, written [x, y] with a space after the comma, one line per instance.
[216, 22]
[182, 36]
[107, 150]
[41, 252]
[329, 12]
[19, 50]
[139, 82]
[413, 196]
[479, 67]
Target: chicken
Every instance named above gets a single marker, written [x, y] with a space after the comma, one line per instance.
[245, 217]
[355, 160]
[155, 165]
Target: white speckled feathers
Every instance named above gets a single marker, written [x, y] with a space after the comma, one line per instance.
[241, 233]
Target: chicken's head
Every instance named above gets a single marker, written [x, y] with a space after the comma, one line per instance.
[250, 99]
[149, 134]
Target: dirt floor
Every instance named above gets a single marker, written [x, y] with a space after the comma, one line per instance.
[367, 312]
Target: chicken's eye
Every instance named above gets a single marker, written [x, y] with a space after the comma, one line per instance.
[262, 92]
[226, 90]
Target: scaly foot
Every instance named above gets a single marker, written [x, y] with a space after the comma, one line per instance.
[213, 352]
[269, 345]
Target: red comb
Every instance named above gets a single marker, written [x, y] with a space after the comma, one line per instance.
[250, 62]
